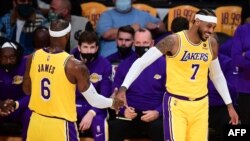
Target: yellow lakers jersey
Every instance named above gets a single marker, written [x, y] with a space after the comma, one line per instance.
[187, 70]
[51, 94]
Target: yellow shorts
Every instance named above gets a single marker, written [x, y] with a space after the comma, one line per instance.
[43, 128]
[185, 120]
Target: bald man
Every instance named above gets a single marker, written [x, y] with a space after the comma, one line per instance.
[144, 97]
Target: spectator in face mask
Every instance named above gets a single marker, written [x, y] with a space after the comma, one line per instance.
[90, 118]
[12, 68]
[61, 9]
[123, 14]
[19, 23]
[144, 97]
[124, 41]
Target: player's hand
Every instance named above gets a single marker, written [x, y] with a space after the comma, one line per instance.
[86, 122]
[118, 102]
[7, 107]
[233, 115]
[121, 95]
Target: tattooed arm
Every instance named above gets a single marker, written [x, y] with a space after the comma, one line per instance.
[169, 45]
[166, 46]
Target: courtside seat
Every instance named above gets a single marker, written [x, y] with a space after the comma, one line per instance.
[144, 7]
[93, 11]
[187, 11]
[229, 18]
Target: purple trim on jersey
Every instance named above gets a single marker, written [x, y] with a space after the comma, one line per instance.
[46, 50]
[167, 117]
[71, 131]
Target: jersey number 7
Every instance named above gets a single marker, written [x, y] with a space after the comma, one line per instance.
[195, 67]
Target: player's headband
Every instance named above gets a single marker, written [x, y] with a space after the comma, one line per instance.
[60, 33]
[9, 45]
[206, 18]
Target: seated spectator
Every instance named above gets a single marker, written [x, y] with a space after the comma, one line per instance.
[124, 41]
[12, 68]
[144, 97]
[19, 24]
[90, 118]
[124, 14]
[61, 9]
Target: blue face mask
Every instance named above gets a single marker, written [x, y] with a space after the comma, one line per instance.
[123, 5]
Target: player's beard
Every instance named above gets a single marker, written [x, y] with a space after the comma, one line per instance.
[201, 35]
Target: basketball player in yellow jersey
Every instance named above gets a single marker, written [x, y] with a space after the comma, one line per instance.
[54, 75]
[190, 55]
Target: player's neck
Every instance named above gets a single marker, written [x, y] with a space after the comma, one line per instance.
[193, 36]
[54, 49]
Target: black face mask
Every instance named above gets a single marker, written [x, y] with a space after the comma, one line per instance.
[140, 50]
[8, 67]
[124, 51]
[25, 10]
[89, 57]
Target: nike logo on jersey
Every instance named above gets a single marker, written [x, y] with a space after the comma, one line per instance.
[98, 135]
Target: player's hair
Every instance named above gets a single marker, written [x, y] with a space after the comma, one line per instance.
[58, 25]
[207, 12]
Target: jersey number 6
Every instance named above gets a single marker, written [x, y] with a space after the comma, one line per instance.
[45, 91]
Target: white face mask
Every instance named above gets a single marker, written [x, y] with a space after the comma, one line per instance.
[123, 5]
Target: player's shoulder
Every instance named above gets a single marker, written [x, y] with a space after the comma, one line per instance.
[213, 41]
[74, 65]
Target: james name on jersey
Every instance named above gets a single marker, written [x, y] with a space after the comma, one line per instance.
[46, 68]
